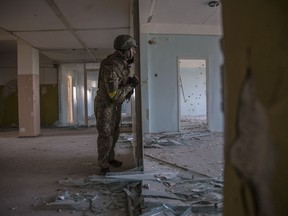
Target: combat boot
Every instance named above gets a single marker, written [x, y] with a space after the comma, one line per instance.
[115, 163]
[104, 171]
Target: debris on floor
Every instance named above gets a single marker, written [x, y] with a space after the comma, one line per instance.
[193, 158]
[95, 194]
[183, 176]
[141, 193]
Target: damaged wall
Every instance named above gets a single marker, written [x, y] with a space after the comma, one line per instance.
[48, 92]
[159, 54]
[9, 89]
[256, 103]
[8, 83]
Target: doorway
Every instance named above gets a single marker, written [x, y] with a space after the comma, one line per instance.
[192, 93]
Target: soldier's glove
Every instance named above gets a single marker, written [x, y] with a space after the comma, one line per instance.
[128, 96]
[133, 81]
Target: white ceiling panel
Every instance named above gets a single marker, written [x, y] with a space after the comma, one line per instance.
[87, 28]
[24, 15]
[50, 39]
[215, 17]
[77, 55]
[144, 9]
[100, 39]
[96, 14]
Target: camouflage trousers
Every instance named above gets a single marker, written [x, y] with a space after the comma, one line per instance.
[108, 117]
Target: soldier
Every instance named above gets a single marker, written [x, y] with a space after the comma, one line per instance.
[115, 85]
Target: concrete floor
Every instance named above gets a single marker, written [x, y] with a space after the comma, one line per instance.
[31, 167]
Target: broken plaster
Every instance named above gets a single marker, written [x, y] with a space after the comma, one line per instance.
[252, 153]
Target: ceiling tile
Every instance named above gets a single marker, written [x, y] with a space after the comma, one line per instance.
[21, 15]
[215, 17]
[100, 38]
[50, 39]
[95, 14]
[77, 55]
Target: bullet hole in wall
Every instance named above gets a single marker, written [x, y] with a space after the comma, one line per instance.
[152, 41]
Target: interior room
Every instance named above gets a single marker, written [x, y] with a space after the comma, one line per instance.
[210, 108]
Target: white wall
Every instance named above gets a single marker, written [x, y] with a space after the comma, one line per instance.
[192, 93]
[159, 78]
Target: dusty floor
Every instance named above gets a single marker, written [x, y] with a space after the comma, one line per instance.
[31, 167]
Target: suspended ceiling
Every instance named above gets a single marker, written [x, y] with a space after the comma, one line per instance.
[84, 30]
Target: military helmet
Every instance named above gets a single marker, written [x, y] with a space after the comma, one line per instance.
[124, 42]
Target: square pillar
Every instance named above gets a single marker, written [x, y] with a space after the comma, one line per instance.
[28, 90]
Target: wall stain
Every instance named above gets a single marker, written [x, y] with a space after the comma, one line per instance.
[252, 153]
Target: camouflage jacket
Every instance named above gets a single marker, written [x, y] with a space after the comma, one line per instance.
[113, 76]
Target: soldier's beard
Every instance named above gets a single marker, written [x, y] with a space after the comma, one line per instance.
[129, 56]
[130, 61]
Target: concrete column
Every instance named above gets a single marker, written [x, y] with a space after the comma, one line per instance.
[28, 90]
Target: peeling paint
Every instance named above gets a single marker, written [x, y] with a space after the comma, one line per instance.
[43, 90]
[252, 153]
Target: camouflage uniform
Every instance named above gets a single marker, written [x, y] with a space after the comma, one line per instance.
[112, 91]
